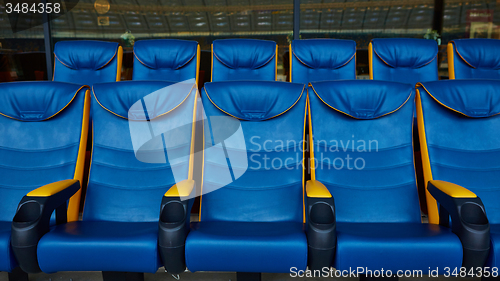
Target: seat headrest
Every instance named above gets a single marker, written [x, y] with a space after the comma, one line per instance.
[324, 53]
[472, 98]
[479, 53]
[405, 52]
[363, 99]
[37, 100]
[244, 53]
[85, 54]
[159, 97]
[254, 100]
[165, 53]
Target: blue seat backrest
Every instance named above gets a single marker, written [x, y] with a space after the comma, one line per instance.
[474, 59]
[462, 139]
[322, 60]
[87, 62]
[41, 126]
[362, 143]
[261, 178]
[166, 60]
[134, 161]
[244, 59]
[404, 60]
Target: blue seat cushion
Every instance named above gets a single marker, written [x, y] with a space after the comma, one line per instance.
[494, 258]
[100, 246]
[396, 246]
[246, 246]
[7, 260]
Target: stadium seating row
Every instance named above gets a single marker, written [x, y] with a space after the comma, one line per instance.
[255, 194]
[258, 188]
[395, 59]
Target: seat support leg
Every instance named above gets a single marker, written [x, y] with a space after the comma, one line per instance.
[248, 276]
[18, 274]
[363, 277]
[122, 276]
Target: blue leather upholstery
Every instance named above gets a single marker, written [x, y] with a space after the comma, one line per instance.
[101, 245]
[7, 259]
[467, 153]
[400, 246]
[322, 60]
[244, 59]
[40, 130]
[166, 60]
[246, 247]
[254, 212]
[119, 229]
[494, 259]
[362, 145]
[475, 58]
[404, 60]
[87, 62]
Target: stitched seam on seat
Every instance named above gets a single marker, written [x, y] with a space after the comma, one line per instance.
[375, 188]
[194, 55]
[132, 188]
[37, 168]
[39, 150]
[232, 67]
[297, 57]
[356, 117]
[298, 183]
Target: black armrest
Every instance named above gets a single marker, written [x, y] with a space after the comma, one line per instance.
[321, 228]
[32, 219]
[468, 219]
[174, 226]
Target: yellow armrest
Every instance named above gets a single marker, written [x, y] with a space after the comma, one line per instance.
[181, 189]
[52, 188]
[453, 190]
[316, 189]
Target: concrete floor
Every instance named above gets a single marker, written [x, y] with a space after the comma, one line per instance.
[199, 276]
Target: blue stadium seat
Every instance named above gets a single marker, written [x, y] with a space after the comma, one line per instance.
[322, 60]
[361, 146]
[129, 173]
[244, 59]
[404, 60]
[474, 59]
[166, 60]
[252, 202]
[44, 130]
[463, 156]
[87, 62]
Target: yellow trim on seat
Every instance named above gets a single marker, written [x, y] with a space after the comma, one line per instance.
[202, 162]
[276, 65]
[451, 61]
[453, 190]
[212, 63]
[290, 59]
[304, 164]
[74, 202]
[198, 54]
[119, 64]
[316, 189]
[432, 208]
[311, 139]
[191, 90]
[181, 189]
[370, 60]
[193, 137]
[51, 188]
[408, 98]
[264, 119]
